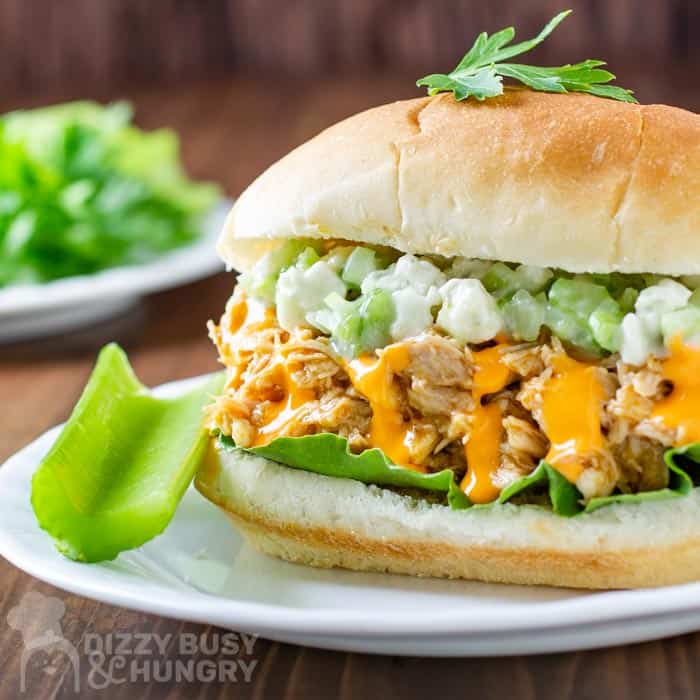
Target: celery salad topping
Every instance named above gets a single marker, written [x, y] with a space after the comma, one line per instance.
[366, 298]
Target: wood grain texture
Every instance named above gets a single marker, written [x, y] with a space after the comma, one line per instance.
[231, 130]
[49, 45]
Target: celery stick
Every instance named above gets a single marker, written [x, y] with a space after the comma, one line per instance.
[120, 466]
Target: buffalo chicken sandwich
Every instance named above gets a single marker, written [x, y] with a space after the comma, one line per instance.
[465, 342]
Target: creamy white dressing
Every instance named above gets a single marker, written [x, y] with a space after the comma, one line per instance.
[476, 300]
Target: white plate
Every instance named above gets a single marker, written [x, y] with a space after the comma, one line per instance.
[34, 310]
[201, 570]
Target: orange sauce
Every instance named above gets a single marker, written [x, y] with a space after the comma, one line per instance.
[681, 408]
[246, 318]
[491, 375]
[278, 414]
[237, 316]
[483, 450]
[241, 319]
[571, 415]
[373, 377]
[483, 446]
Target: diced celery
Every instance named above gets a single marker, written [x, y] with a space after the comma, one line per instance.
[359, 264]
[533, 279]
[324, 319]
[307, 258]
[261, 280]
[366, 326]
[684, 322]
[655, 301]
[302, 291]
[340, 305]
[500, 281]
[377, 308]
[614, 282]
[524, 315]
[569, 327]
[468, 267]
[627, 299]
[346, 339]
[337, 256]
[660, 313]
[606, 324]
[407, 271]
[577, 297]
[571, 303]
[377, 312]
[337, 309]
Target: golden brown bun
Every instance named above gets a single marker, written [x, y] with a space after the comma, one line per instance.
[570, 181]
[328, 522]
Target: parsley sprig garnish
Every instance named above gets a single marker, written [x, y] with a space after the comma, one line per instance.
[480, 73]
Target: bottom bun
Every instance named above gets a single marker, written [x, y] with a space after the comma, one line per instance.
[328, 522]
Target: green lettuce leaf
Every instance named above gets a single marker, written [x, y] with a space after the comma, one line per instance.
[566, 499]
[330, 455]
[563, 495]
[120, 466]
[680, 482]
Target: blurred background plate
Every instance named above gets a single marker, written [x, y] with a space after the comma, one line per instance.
[39, 310]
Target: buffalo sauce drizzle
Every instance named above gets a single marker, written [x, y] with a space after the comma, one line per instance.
[571, 402]
[241, 319]
[244, 318]
[373, 377]
[681, 408]
[483, 445]
[277, 415]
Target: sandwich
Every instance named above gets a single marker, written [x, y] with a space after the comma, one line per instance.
[465, 342]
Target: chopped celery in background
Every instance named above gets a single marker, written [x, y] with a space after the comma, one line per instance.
[81, 190]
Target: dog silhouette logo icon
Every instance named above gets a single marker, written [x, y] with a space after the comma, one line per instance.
[38, 619]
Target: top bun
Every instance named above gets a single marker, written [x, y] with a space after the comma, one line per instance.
[571, 181]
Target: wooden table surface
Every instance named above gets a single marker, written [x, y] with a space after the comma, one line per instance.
[231, 130]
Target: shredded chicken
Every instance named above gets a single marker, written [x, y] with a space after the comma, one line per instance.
[599, 475]
[282, 383]
[524, 446]
[349, 416]
[642, 467]
[263, 363]
[629, 414]
[525, 360]
[438, 376]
